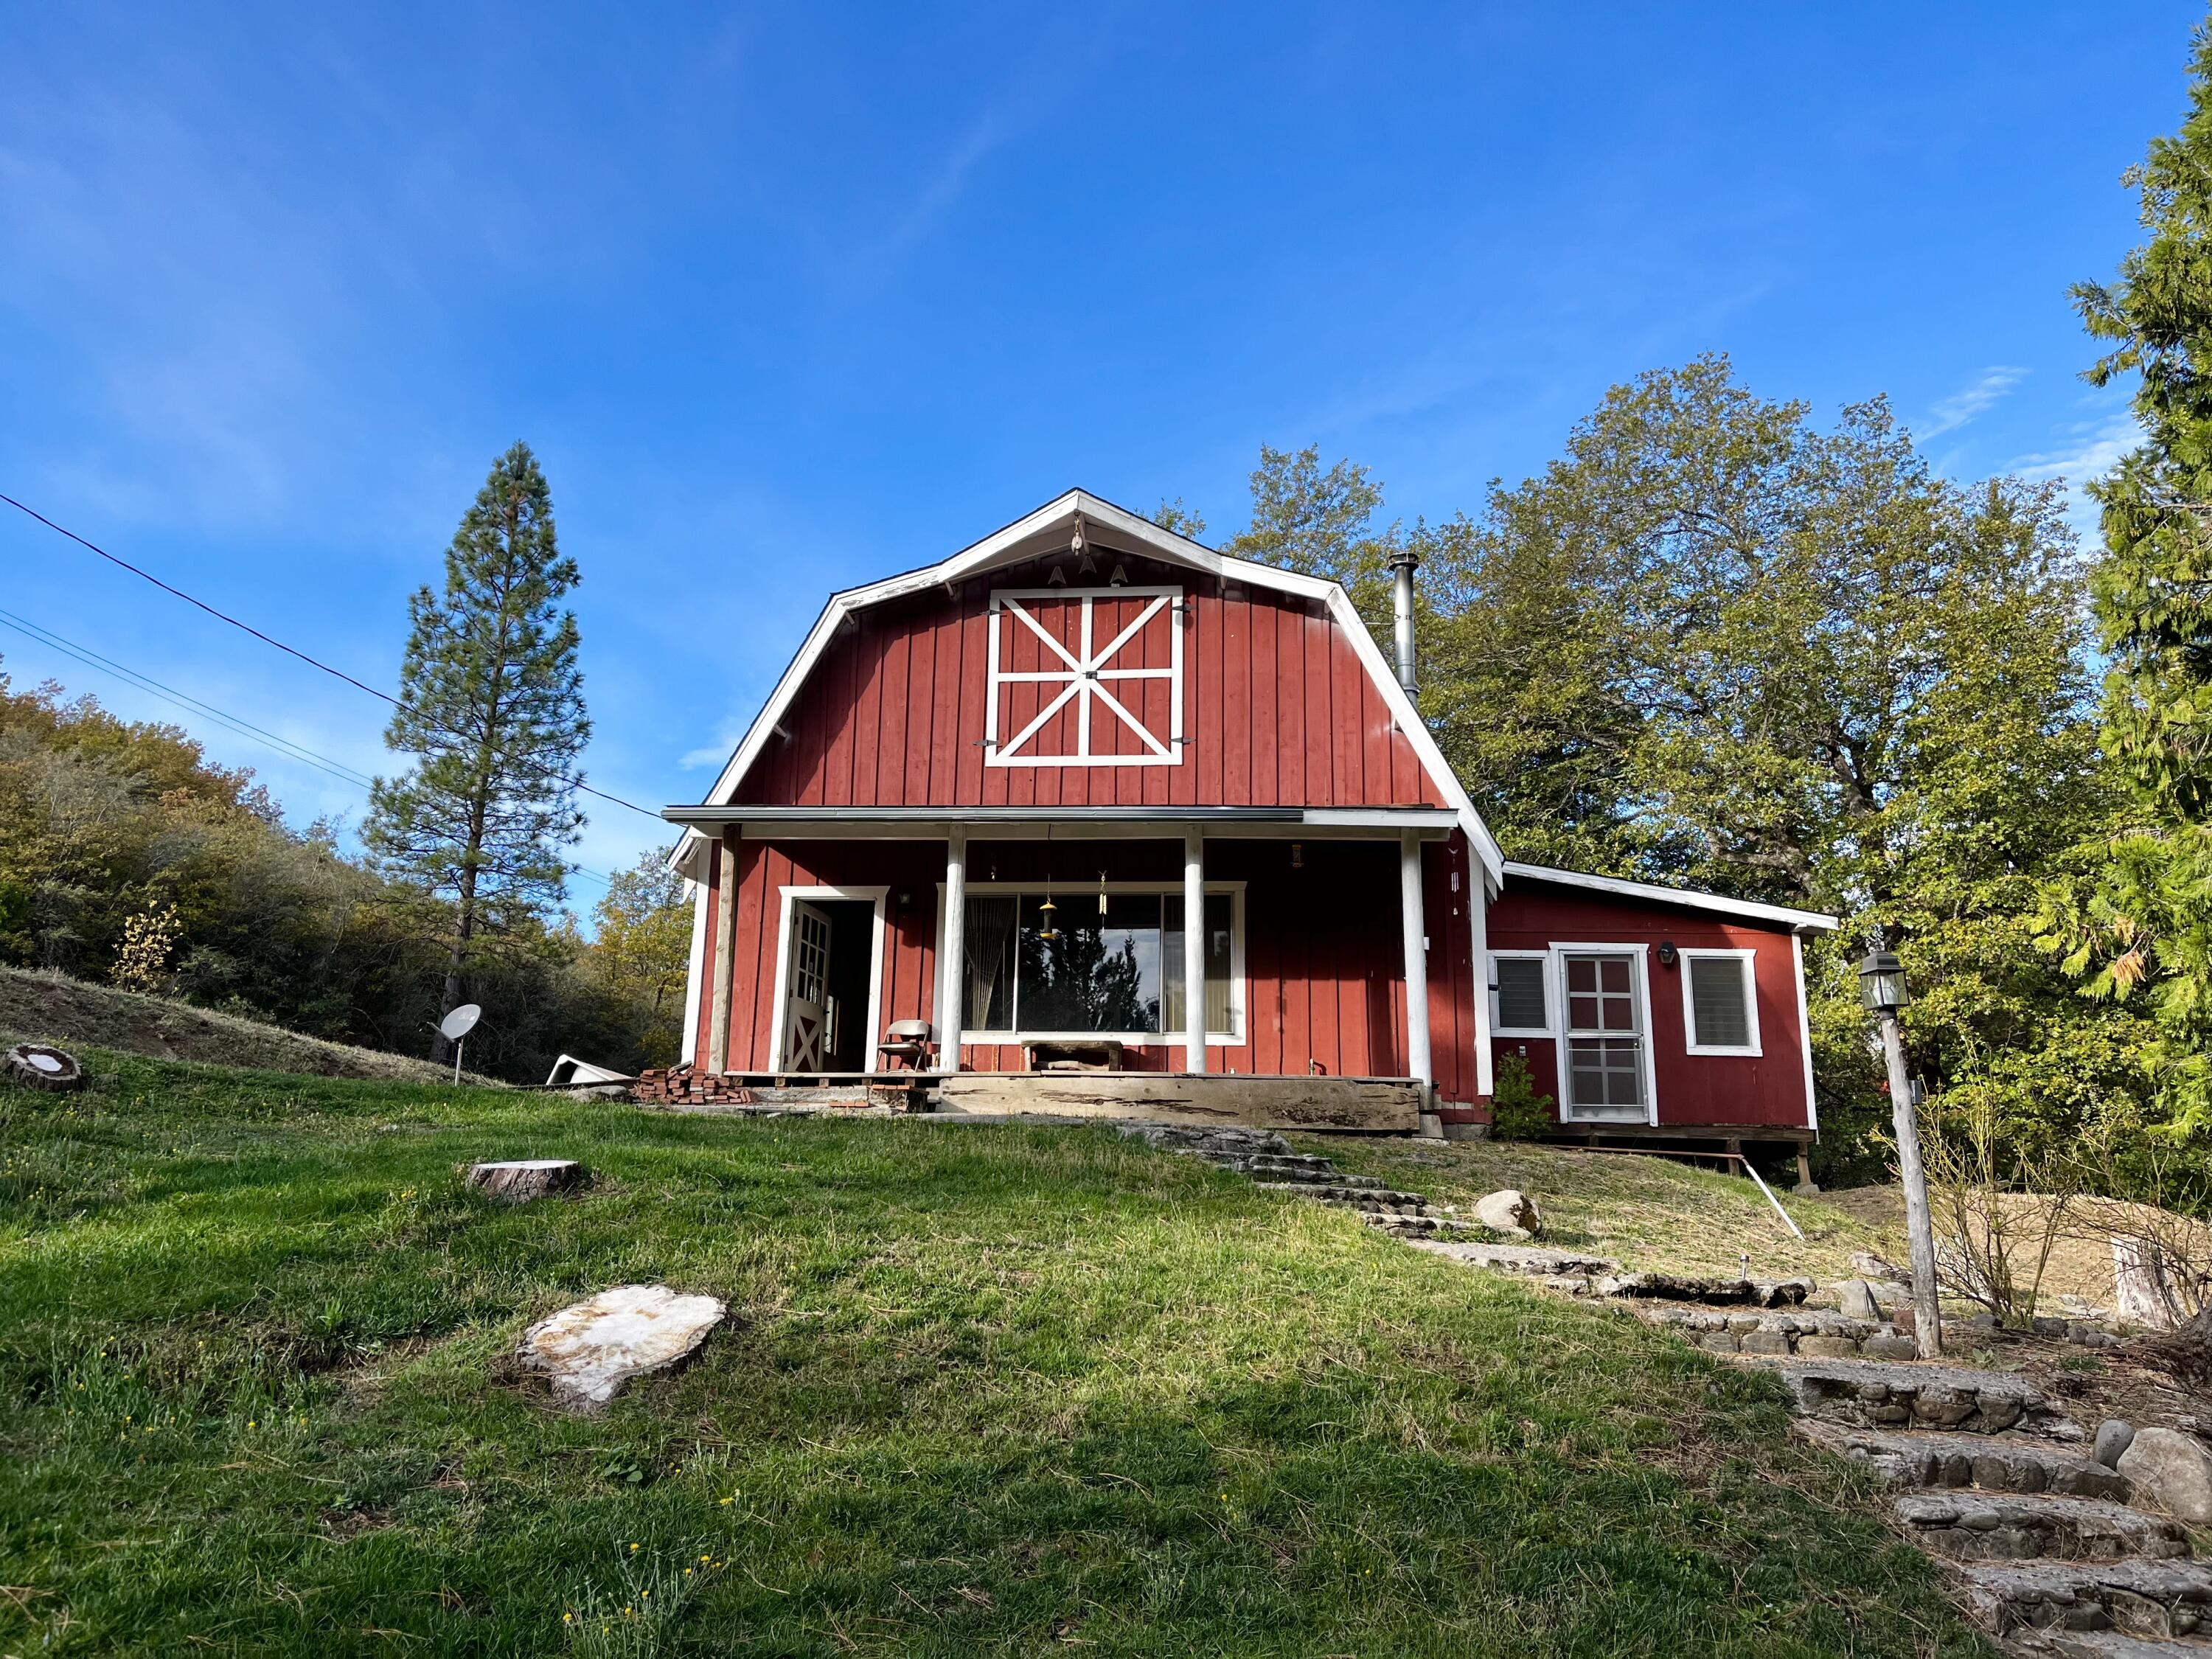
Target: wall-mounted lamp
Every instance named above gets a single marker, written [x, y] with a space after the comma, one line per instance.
[1668, 954]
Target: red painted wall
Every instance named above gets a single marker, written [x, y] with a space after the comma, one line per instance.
[1324, 979]
[1280, 710]
[1692, 1089]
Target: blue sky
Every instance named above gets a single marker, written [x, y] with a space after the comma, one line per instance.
[788, 299]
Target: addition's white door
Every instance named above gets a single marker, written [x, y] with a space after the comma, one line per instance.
[1603, 1080]
[807, 1003]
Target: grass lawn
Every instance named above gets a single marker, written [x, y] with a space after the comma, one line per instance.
[1650, 1213]
[991, 1390]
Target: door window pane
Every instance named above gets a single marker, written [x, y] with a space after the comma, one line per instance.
[1606, 1073]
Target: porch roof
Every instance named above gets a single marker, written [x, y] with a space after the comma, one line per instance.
[1070, 822]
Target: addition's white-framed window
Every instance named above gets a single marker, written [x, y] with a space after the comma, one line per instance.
[1720, 1001]
[1100, 962]
[1084, 676]
[1607, 1074]
[1520, 996]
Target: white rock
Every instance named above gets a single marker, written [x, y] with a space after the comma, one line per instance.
[1510, 1211]
[590, 1351]
[2171, 1470]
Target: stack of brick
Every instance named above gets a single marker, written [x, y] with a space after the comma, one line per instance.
[682, 1085]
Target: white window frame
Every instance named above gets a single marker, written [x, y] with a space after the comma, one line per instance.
[1641, 955]
[1083, 677]
[1233, 1037]
[1550, 1028]
[783, 968]
[1749, 958]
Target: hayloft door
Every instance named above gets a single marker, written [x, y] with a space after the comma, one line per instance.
[806, 1008]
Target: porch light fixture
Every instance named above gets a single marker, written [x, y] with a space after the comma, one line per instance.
[1881, 983]
[1669, 955]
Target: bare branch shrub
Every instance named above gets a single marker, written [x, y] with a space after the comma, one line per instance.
[1997, 1219]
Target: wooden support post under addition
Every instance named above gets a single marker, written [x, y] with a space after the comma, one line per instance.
[1417, 958]
[726, 950]
[1194, 951]
[954, 952]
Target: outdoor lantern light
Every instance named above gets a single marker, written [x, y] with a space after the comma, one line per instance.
[1668, 954]
[1881, 982]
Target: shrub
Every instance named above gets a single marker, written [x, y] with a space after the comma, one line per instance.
[1517, 1112]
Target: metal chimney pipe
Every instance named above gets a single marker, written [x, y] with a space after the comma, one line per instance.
[1404, 561]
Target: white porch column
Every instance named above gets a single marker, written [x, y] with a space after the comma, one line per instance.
[726, 953]
[1417, 957]
[952, 953]
[1193, 950]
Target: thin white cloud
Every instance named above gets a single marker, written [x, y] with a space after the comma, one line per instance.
[1976, 398]
[2088, 451]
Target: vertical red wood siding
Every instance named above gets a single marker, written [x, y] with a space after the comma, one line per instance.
[1279, 709]
[1324, 983]
[1767, 1090]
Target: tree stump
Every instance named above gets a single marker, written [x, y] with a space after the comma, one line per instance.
[520, 1180]
[36, 1066]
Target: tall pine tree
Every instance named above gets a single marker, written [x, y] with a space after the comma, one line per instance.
[2139, 921]
[492, 704]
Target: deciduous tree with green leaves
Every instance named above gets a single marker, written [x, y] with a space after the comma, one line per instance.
[491, 703]
[1716, 643]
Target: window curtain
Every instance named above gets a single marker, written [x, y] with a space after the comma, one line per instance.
[990, 938]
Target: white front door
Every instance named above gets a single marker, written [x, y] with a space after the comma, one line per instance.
[807, 1007]
[1602, 1079]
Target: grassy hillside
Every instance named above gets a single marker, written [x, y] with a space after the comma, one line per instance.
[54, 1008]
[992, 1389]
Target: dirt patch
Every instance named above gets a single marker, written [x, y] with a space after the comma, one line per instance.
[54, 1008]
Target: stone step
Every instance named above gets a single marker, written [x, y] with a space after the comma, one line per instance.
[2104, 1645]
[2146, 1599]
[1528, 1258]
[1987, 1462]
[1340, 1193]
[1323, 1177]
[1869, 1394]
[1974, 1526]
[1419, 1227]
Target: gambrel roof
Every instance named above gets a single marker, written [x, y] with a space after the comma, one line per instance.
[1048, 530]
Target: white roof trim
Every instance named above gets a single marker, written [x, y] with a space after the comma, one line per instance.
[1000, 543]
[1813, 921]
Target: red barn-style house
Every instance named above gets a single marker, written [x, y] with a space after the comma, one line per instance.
[1000, 812]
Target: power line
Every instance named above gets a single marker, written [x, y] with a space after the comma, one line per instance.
[294, 651]
[170, 695]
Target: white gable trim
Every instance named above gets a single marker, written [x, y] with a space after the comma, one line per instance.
[1804, 920]
[1006, 544]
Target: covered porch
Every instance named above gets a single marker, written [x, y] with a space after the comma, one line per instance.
[1039, 955]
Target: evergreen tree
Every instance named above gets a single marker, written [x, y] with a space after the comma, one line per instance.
[2139, 919]
[492, 703]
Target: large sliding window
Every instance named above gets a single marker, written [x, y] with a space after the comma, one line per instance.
[1106, 964]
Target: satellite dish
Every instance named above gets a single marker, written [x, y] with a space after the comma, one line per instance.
[458, 1023]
